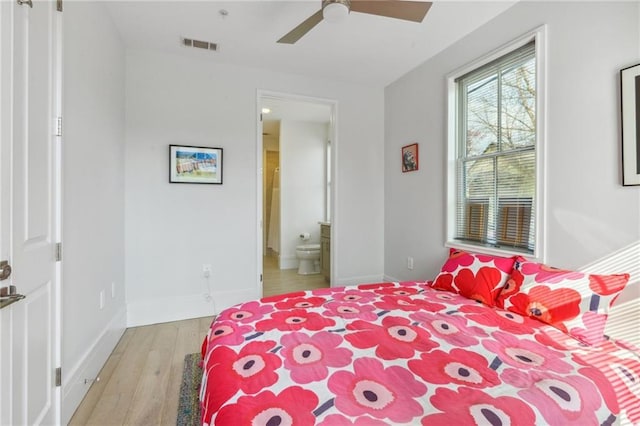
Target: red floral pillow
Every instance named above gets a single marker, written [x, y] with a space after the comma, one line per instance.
[476, 276]
[574, 302]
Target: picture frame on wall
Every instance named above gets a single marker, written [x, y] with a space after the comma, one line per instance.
[410, 158]
[630, 100]
[195, 164]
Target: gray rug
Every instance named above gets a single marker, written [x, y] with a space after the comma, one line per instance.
[189, 405]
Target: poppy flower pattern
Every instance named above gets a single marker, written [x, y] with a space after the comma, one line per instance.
[452, 329]
[294, 320]
[246, 312]
[396, 338]
[475, 276]
[398, 291]
[292, 406]
[620, 370]
[407, 353]
[472, 407]
[574, 302]
[300, 302]
[406, 303]
[566, 400]
[504, 320]
[226, 333]
[309, 357]
[355, 296]
[250, 370]
[349, 310]
[457, 366]
[385, 393]
[547, 305]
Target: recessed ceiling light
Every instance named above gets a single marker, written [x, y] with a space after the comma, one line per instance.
[266, 110]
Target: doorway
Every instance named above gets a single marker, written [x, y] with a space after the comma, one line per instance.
[296, 139]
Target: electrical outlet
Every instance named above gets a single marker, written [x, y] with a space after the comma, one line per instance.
[410, 262]
[101, 299]
[206, 270]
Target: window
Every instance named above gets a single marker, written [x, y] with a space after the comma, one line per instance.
[494, 177]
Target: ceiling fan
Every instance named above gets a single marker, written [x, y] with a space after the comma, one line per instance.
[337, 9]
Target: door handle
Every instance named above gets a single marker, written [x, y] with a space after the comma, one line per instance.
[5, 270]
[27, 2]
[8, 295]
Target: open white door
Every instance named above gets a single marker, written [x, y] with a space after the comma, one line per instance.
[29, 211]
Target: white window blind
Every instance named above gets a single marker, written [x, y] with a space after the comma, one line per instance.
[496, 153]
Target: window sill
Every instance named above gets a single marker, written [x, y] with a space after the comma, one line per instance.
[506, 252]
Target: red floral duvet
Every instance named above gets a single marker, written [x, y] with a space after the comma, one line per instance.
[404, 353]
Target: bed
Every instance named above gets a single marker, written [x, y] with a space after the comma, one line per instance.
[480, 344]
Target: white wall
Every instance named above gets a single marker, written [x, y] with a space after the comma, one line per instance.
[173, 229]
[302, 183]
[93, 196]
[589, 213]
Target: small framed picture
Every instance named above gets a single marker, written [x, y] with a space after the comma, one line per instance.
[630, 96]
[195, 164]
[410, 158]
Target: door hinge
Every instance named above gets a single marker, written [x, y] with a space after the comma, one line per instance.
[58, 252]
[59, 5]
[260, 277]
[58, 377]
[59, 127]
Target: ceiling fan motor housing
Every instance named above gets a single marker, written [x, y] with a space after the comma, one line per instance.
[346, 3]
[335, 10]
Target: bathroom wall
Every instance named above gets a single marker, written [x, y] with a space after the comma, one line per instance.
[302, 181]
[271, 201]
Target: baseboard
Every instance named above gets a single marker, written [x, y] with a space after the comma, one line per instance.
[182, 307]
[388, 278]
[365, 279]
[74, 387]
[287, 262]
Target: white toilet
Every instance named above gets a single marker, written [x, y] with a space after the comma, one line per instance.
[309, 257]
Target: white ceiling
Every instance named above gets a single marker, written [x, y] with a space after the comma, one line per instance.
[365, 49]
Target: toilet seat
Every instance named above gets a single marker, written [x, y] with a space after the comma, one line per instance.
[308, 247]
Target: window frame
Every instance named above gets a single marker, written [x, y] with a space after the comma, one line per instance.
[537, 35]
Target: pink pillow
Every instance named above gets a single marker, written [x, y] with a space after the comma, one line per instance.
[476, 276]
[574, 302]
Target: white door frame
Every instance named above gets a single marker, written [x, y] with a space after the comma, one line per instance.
[333, 136]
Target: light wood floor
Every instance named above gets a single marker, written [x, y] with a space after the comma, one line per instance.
[140, 382]
[277, 281]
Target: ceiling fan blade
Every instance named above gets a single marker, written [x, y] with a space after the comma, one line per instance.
[407, 10]
[306, 26]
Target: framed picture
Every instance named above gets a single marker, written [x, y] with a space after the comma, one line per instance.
[195, 164]
[410, 158]
[630, 97]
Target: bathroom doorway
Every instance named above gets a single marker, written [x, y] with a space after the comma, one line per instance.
[296, 150]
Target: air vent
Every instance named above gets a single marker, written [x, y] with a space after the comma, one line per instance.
[200, 44]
